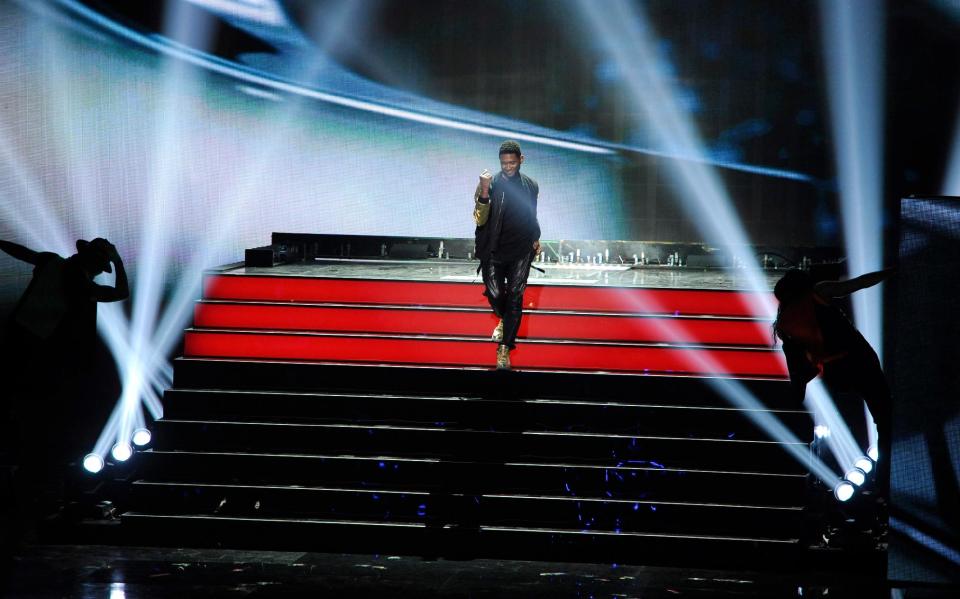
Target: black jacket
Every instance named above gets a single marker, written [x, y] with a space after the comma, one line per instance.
[489, 216]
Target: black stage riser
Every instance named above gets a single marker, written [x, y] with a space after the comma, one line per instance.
[476, 446]
[633, 482]
[305, 535]
[306, 376]
[477, 414]
[438, 509]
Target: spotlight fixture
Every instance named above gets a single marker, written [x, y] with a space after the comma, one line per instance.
[864, 463]
[856, 476]
[844, 491]
[141, 437]
[872, 453]
[821, 431]
[92, 463]
[117, 591]
[121, 452]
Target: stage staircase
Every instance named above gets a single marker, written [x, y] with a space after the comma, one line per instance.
[364, 415]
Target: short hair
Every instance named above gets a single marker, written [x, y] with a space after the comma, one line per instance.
[510, 147]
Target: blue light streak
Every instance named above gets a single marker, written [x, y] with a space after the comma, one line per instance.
[853, 33]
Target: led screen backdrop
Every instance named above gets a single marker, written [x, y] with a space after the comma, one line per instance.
[187, 130]
[215, 123]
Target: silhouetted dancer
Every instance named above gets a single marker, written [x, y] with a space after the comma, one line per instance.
[50, 339]
[507, 239]
[819, 339]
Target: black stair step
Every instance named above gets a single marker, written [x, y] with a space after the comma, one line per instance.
[207, 373]
[478, 413]
[553, 544]
[474, 446]
[632, 481]
[261, 501]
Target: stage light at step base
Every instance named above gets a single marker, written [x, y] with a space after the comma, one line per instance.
[117, 590]
[141, 437]
[873, 454]
[92, 463]
[844, 491]
[864, 464]
[856, 476]
[121, 452]
[821, 431]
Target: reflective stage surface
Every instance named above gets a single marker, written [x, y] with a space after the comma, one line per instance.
[614, 275]
[87, 572]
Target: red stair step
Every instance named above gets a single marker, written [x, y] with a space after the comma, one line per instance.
[278, 288]
[633, 358]
[480, 322]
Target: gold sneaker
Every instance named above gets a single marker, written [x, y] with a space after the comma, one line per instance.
[498, 332]
[503, 357]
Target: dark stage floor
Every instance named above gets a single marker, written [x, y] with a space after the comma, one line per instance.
[82, 572]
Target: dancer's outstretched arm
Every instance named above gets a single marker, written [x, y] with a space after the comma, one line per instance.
[19, 252]
[830, 289]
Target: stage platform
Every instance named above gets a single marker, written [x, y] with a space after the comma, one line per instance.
[353, 405]
[583, 274]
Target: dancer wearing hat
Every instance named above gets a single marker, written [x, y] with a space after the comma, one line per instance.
[48, 348]
[59, 307]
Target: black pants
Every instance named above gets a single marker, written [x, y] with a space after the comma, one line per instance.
[505, 283]
[861, 375]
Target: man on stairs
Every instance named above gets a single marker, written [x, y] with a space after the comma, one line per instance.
[507, 240]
